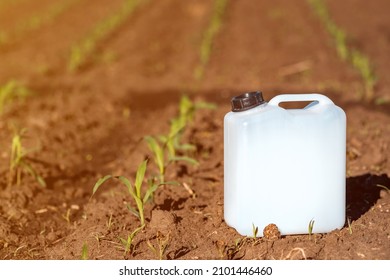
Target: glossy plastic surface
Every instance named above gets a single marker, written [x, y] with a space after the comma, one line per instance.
[285, 167]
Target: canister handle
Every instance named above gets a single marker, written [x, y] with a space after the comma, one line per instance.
[321, 99]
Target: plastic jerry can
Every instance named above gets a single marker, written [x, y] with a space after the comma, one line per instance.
[284, 166]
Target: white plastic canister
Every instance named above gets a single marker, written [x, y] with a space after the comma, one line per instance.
[284, 166]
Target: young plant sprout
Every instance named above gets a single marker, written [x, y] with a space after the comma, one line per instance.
[349, 225]
[310, 227]
[208, 38]
[230, 252]
[187, 110]
[128, 242]
[10, 91]
[20, 163]
[162, 158]
[255, 231]
[84, 251]
[134, 190]
[165, 148]
[162, 245]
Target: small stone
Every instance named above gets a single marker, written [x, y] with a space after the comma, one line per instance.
[271, 232]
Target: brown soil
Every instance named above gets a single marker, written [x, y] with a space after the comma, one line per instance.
[91, 123]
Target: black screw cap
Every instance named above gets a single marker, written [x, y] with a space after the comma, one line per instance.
[247, 101]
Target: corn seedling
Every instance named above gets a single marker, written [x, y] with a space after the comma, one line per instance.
[134, 190]
[10, 91]
[82, 50]
[84, 251]
[20, 163]
[166, 147]
[161, 158]
[255, 231]
[127, 243]
[349, 225]
[358, 60]
[187, 110]
[230, 252]
[310, 228]
[208, 37]
[162, 245]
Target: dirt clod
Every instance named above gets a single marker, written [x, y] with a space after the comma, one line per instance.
[271, 232]
[162, 221]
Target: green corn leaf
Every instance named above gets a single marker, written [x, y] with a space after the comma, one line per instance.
[126, 243]
[186, 159]
[187, 147]
[205, 105]
[123, 241]
[32, 172]
[186, 105]
[84, 252]
[132, 235]
[127, 183]
[100, 182]
[151, 247]
[40, 180]
[140, 204]
[255, 230]
[177, 125]
[158, 152]
[173, 139]
[163, 138]
[149, 192]
[132, 210]
[140, 177]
